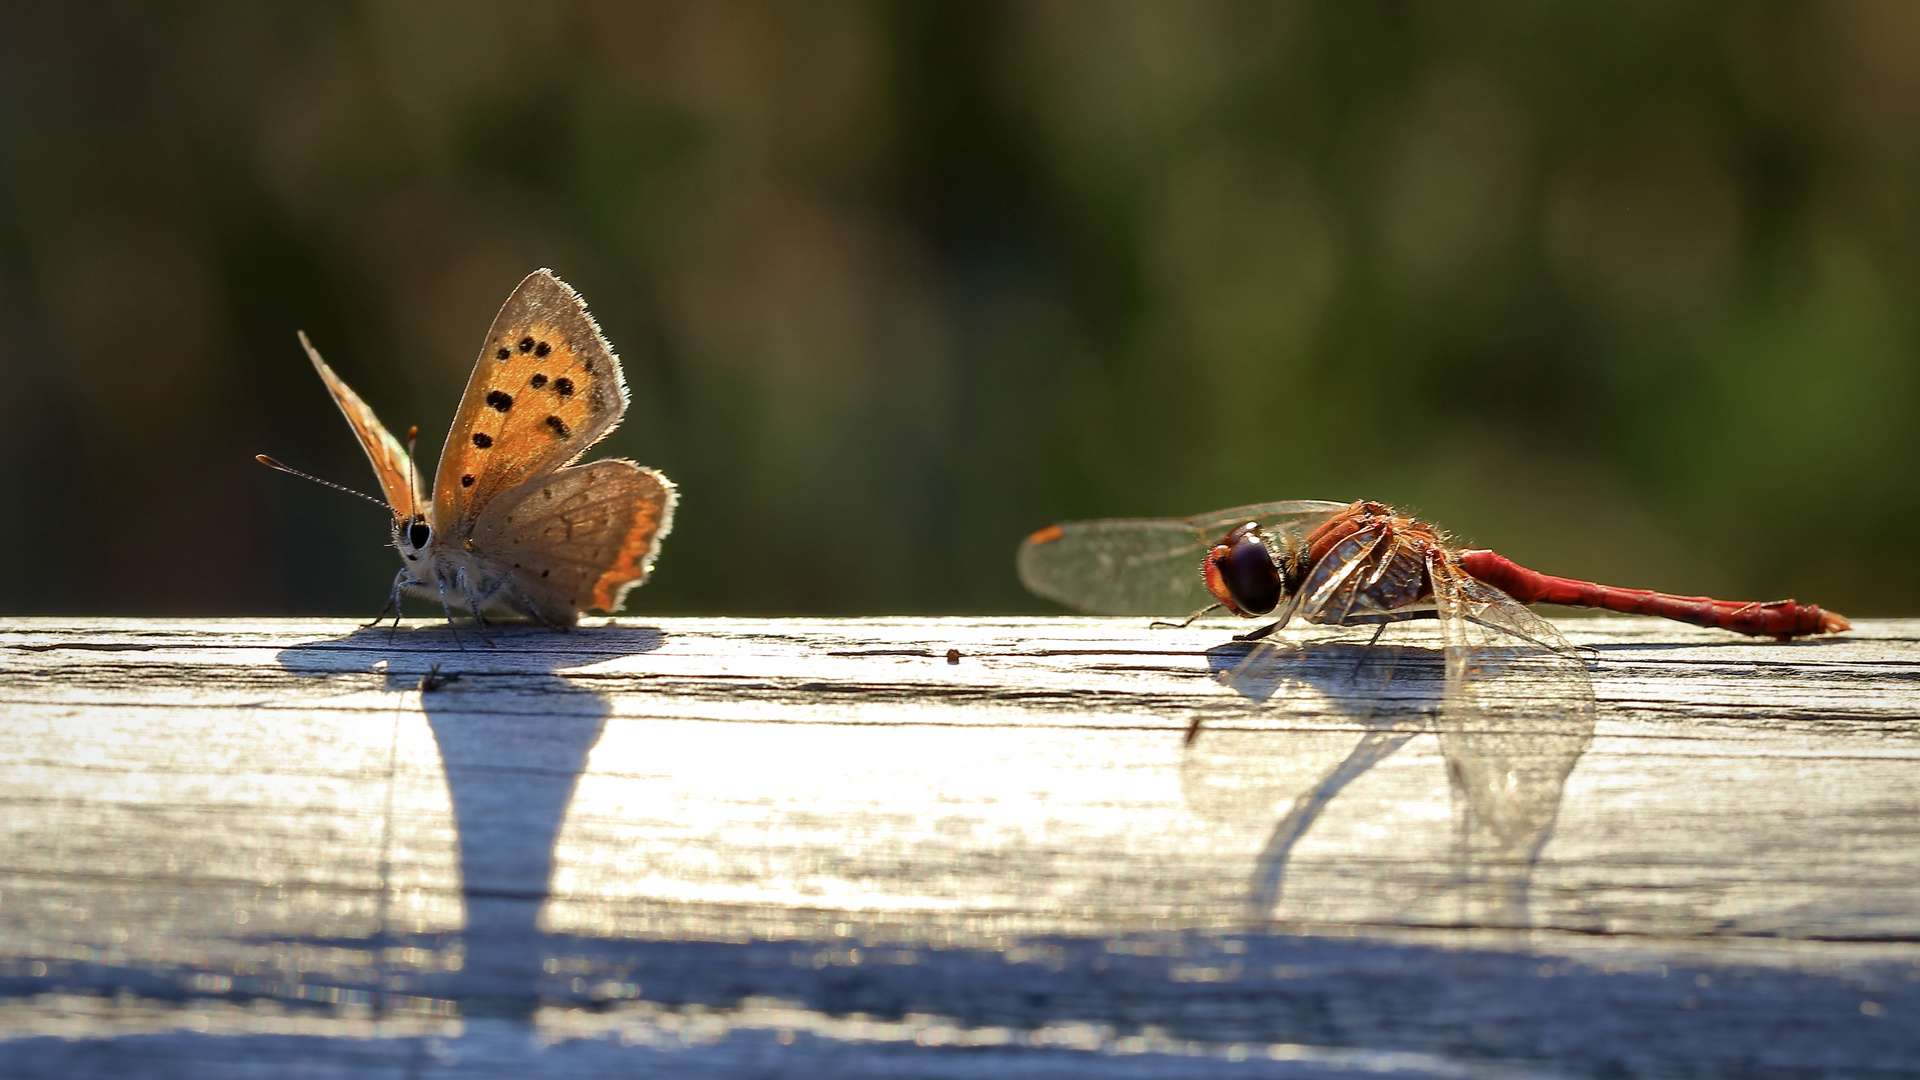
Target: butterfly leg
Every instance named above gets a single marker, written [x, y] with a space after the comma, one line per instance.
[400, 581]
[393, 600]
[448, 609]
[528, 608]
[505, 589]
[474, 602]
[480, 621]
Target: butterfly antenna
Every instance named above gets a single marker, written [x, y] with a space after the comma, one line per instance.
[413, 497]
[291, 471]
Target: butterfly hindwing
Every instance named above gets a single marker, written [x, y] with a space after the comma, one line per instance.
[399, 480]
[546, 387]
[579, 538]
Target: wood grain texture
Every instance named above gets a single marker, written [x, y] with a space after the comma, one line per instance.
[819, 847]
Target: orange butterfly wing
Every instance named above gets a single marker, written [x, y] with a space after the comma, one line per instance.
[546, 387]
[580, 538]
[399, 480]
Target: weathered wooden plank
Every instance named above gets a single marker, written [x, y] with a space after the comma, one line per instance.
[725, 847]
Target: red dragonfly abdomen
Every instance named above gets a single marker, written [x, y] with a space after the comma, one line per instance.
[1781, 619]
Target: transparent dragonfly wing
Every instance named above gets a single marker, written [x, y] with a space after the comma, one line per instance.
[1138, 566]
[1516, 709]
[1144, 566]
[1510, 700]
[1296, 517]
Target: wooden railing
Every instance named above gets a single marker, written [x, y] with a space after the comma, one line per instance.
[933, 846]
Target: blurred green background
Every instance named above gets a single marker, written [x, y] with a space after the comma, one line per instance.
[1623, 290]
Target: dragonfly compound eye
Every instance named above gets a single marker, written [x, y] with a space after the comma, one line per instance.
[1241, 573]
[418, 534]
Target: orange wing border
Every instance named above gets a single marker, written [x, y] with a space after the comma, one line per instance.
[400, 479]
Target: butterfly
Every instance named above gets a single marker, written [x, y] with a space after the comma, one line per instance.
[513, 521]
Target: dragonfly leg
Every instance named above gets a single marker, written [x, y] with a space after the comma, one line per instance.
[1367, 650]
[1256, 635]
[1162, 624]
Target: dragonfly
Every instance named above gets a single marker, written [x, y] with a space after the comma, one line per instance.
[1343, 564]
[1515, 707]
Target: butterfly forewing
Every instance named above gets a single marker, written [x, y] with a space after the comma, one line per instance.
[546, 387]
[579, 538]
[400, 482]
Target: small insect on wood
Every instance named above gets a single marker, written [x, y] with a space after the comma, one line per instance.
[512, 521]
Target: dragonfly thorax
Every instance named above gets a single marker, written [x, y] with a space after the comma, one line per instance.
[1250, 572]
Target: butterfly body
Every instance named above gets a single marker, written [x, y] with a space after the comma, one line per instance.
[512, 521]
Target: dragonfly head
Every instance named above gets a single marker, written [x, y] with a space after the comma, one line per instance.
[1243, 574]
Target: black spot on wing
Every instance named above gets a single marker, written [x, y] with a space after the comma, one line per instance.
[500, 400]
[559, 426]
[503, 353]
[482, 440]
[563, 386]
[526, 344]
[466, 481]
[537, 381]
[542, 349]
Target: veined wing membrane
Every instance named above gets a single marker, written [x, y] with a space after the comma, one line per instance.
[1297, 516]
[1128, 566]
[1517, 710]
[1143, 566]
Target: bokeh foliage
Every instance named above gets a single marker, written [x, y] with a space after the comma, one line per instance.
[1624, 290]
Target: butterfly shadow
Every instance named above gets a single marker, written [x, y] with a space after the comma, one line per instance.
[1392, 694]
[514, 732]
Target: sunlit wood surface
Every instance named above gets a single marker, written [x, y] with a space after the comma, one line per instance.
[717, 848]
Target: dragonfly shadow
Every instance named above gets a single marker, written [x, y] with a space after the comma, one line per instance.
[514, 733]
[1506, 767]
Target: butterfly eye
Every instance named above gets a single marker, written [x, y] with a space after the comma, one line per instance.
[418, 534]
